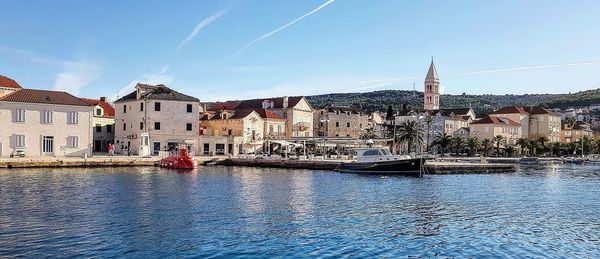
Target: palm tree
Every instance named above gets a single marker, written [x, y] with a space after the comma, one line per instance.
[428, 121]
[457, 144]
[473, 145]
[524, 144]
[369, 134]
[541, 143]
[510, 150]
[557, 149]
[442, 141]
[487, 145]
[498, 140]
[410, 134]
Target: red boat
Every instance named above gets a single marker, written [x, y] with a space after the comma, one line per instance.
[181, 160]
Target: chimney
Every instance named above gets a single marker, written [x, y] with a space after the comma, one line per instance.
[285, 102]
[103, 99]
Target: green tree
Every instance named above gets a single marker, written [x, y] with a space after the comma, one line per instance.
[498, 140]
[487, 145]
[442, 141]
[457, 144]
[428, 121]
[410, 133]
[473, 145]
[524, 144]
[541, 143]
[369, 134]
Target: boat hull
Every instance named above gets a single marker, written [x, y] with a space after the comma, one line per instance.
[405, 167]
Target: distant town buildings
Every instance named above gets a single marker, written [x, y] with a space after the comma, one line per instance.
[346, 122]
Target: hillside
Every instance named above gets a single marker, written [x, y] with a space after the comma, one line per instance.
[379, 100]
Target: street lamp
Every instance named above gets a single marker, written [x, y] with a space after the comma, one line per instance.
[325, 120]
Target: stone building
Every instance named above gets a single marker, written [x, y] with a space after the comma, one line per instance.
[432, 89]
[45, 123]
[103, 123]
[335, 121]
[154, 119]
[231, 132]
[296, 111]
[576, 131]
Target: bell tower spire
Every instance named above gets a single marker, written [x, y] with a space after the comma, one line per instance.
[432, 89]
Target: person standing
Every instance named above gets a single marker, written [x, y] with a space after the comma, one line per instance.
[111, 149]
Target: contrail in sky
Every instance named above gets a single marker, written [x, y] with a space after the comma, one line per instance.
[597, 62]
[266, 35]
[199, 27]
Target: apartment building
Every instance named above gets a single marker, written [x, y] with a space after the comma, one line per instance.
[154, 119]
[296, 111]
[103, 123]
[576, 131]
[489, 127]
[45, 123]
[8, 85]
[336, 121]
[535, 121]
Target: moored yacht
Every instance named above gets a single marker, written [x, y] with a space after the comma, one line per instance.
[381, 161]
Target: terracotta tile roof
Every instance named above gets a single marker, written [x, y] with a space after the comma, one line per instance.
[510, 110]
[539, 110]
[43, 96]
[109, 110]
[266, 114]
[255, 103]
[9, 83]
[496, 121]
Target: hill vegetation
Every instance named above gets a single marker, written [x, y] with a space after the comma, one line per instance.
[379, 100]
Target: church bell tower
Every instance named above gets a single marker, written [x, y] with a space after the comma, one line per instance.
[432, 89]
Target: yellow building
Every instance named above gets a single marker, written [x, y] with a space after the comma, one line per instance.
[489, 127]
[535, 121]
[574, 132]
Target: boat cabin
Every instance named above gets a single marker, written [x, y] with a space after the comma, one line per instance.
[365, 155]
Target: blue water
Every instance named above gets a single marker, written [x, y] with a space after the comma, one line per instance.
[228, 212]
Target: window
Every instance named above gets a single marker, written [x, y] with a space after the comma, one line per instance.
[141, 107]
[229, 132]
[98, 112]
[141, 125]
[109, 128]
[157, 126]
[20, 115]
[73, 118]
[124, 108]
[347, 124]
[73, 142]
[189, 108]
[19, 140]
[98, 128]
[124, 126]
[47, 116]
[157, 106]
[337, 124]
[371, 152]
[270, 129]
[188, 127]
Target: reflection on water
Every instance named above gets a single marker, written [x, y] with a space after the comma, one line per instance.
[547, 211]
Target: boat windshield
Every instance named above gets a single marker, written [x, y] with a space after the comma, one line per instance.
[385, 152]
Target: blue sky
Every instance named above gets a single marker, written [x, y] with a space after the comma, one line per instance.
[232, 49]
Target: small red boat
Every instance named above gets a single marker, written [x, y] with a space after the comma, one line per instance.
[180, 160]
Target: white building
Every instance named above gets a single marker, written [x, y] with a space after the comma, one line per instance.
[155, 118]
[45, 123]
[8, 85]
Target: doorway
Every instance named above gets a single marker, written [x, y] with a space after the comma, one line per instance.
[48, 145]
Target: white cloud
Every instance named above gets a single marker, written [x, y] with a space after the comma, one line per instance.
[75, 76]
[201, 25]
[164, 69]
[268, 34]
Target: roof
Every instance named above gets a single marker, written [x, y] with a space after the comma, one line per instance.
[9, 83]
[240, 114]
[255, 103]
[496, 121]
[343, 109]
[432, 73]
[448, 112]
[43, 96]
[109, 110]
[539, 110]
[510, 110]
[266, 114]
[157, 92]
